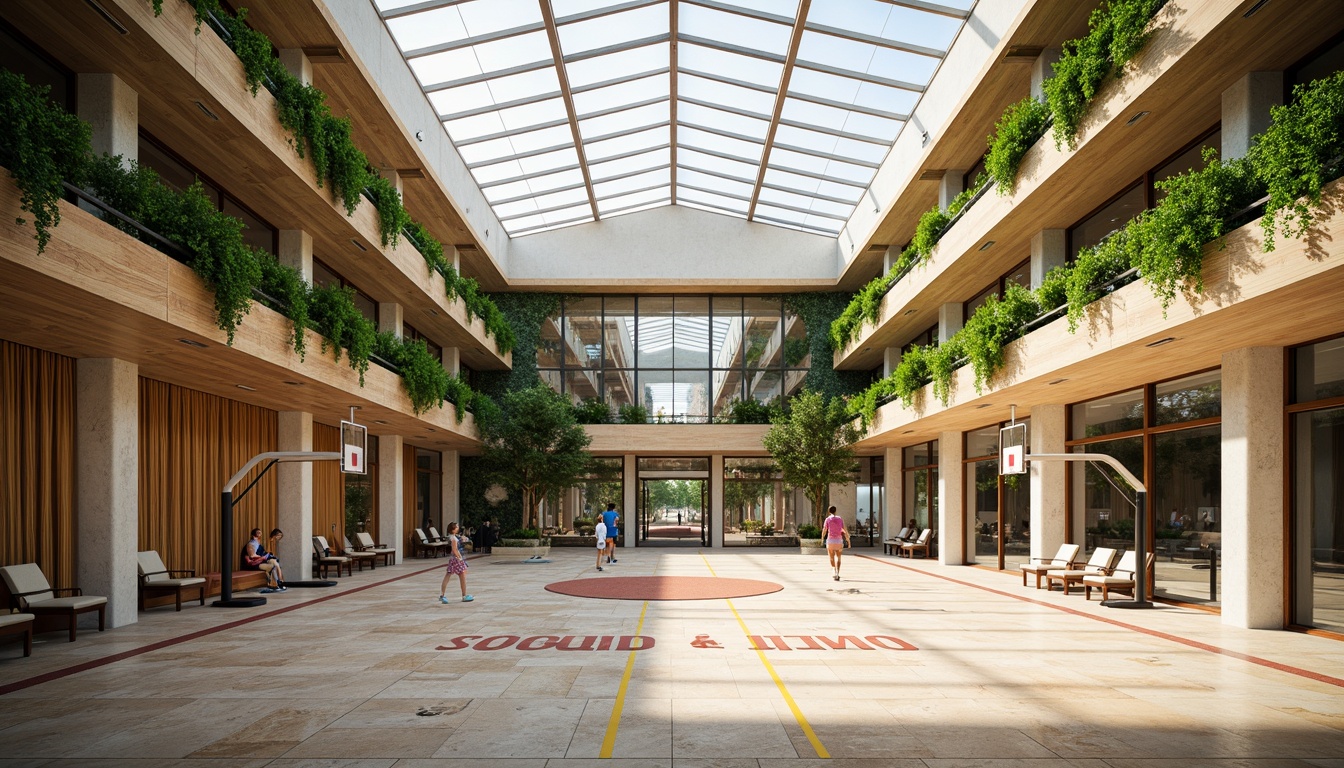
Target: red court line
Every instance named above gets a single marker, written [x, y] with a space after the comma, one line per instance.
[57, 674]
[1317, 676]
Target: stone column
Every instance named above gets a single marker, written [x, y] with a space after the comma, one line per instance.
[390, 318]
[112, 109]
[296, 62]
[891, 357]
[296, 250]
[394, 178]
[107, 440]
[715, 522]
[950, 186]
[893, 494]
[1253, 469]
[451, 489]
[391, 494]
[454, 257]
[1041, 70]
[1048, 250]
[630, 499]
[951, 509]
[950, 320]
[1049, 518]
[452, 361]
[294, 489]
[889, 259]
[1246, 110]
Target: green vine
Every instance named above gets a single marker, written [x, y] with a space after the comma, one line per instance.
[592, 410]
[819, 311]
[286, 284]
[633, 414]
[392, 217]
[342, 325]
[1016, 132]
[42, 146]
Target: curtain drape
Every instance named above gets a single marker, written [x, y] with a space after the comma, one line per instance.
[190, 444]
[328, 488]
[409, 489]
[37, 461]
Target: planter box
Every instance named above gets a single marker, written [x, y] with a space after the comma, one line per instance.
[812, 546]
[524, 547]
[774, 540]
[574, 541]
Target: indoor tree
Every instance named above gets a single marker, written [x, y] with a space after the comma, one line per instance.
[533, 443]
[811, 444]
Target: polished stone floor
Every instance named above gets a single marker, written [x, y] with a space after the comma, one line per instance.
[376, 672]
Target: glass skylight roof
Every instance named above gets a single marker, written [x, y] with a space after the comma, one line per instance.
[566, 111]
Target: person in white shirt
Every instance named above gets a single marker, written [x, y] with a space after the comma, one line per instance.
[601, 532]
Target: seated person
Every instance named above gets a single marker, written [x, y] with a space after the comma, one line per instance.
[256, 558]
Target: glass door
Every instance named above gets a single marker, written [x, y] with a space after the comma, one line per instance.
[673, 502]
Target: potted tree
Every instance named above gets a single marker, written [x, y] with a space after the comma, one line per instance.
[810, 541]
[811, 444]
[534, 444]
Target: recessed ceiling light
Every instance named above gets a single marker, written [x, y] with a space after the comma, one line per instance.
[206, 110]
[1056, 381]
[988, 244]
[1160, 342]
[359, 245]
[244, 386]
[294, 383]
[1254, 9]
[1136, 118]
[908, 432]
[432, 312]
[985, 405]
[193, 343]
[910, 312]
[379, 421]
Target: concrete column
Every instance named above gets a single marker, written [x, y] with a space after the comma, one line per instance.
[297, 64]
[889, 260]
[891, 358]
[294, 488]
[951, 506]
[391, 175]
[391, 494]
[1253, 469]
[950, 186]
[1049, 518]
[949, 320]
[715, 522]
[630, 499]
[454, 257]
[450, 492]
[107, 447]
[893, 493]
[452, 361]
[1246, 111]
[112, 109]
[390, 318]
[1041, 70]
[1049, 249]
[296, 250]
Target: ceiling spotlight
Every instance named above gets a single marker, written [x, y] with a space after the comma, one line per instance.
[1137, 117]
[908, 432]
[192, 343]
[988, 244]
[910, 312]
[294, 383]
[1056, 381]
[984, 406]
[1160, 342]
[419, 135]
[1254, 9]
[244, 386]
[206, 110]
[379, 421]
[359, 245]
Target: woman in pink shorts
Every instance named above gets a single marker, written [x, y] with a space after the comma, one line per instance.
[837, 538]
[456, 564]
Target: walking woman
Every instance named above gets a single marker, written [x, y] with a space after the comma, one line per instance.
[456, 564]
[837, 538]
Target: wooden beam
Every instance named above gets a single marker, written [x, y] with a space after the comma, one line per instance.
[672, 92]
[796, 39]
[548, 16]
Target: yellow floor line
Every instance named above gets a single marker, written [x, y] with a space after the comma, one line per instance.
[613, 724]
[788, 698]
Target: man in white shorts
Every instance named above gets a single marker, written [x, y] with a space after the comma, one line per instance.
[601, 532]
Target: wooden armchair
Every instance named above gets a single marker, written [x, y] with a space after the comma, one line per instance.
[157, 579]
[31, 593]
[1062, 560]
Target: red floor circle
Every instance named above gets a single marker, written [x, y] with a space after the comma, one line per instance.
[663, 588]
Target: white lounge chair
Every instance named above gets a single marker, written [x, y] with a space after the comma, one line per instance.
[889, 546]
[359, 557]
[31, 593]
[1062, 560]
[1099, 564]
[157, 579]
[921, 544]
[364, 543]
[1119, 580]
[18, 625]
[423, 545]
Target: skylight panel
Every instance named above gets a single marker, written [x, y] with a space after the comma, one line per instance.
[649, 115]
[750, 69]
[814, 114]
[565, 8]
[786, 198]
[734, 29]
[774, 175]
[512, 51]
[718, 120]
[507, 191]
[421, 30]
[549, 161]
[789, 159]
[566, 215]
[445, 67]
[861, 150]
[869, 125]
[634, 198]
[859, 15]
[472, 127]
[566, 197]
[778, 7]
[659, 177]
[835, 209]
[631, 164]
[900, 65]
[507, 211]
[657, 86]
[693, 177]
[631, 61]
[524, 84]
[557, 180]
[697, 139]
[842, 191]
[525, 223]
[848, 172]
[482, 16]
[461, 99]
[489, 174]
[608, 213]
[799, 137]
[718, 201]
[836, 52]
[614, 29]
[930, 29]
[597, 151]
[885, 97]
[703, 89]
[735, 168]
[689, 203]
[533, 114]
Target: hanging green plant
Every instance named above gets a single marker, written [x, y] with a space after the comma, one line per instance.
[339, 321]
[592, 410]
[633, 414]
[1016, 132]
[286, 284]
[941, 361]
[994, 324]
[819, 311]
[392, 217]
[41, 145]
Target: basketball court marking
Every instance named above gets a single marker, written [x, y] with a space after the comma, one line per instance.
[1310, 675]
[613, 724]
[788, 698]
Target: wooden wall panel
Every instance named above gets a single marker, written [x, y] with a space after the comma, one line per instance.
[408, 520]
[37, 461]
[190, 444]
[328, 488]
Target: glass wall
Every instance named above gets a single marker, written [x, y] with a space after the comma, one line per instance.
[576, 511]
[920, 505]
[870, 500]
[755, 501]
[1317, 438]
[428, 486]
[998, 508]
[1169, 436]
[684, 359]
[361, 494]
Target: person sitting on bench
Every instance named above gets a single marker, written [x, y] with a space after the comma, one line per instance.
[256, 558]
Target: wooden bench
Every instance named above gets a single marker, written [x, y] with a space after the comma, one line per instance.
[241, 580]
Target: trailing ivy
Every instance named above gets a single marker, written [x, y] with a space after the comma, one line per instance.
[523, 315]
[392, 217]
[1117, 31]
[592, 410]
[286, 284]
[342, 325]
[819, 311]
[750, 411]
[991, 328]
[42, 146]
[633, 414]
[1016, 132]
[426, 381]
